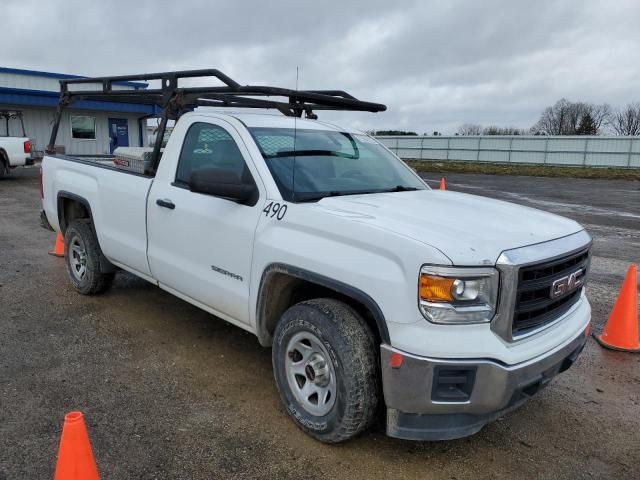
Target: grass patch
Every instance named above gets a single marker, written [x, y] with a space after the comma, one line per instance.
[439, 166]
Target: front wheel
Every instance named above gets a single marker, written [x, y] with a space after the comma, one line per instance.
[325, 366]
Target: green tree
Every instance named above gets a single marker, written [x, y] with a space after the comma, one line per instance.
[587, 125]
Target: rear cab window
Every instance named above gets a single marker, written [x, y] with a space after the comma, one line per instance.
[209, 146]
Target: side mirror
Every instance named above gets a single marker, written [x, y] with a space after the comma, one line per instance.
[221, 182]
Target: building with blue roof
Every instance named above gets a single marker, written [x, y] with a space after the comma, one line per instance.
[87, 127]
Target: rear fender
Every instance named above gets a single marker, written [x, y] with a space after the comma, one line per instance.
[80, 204]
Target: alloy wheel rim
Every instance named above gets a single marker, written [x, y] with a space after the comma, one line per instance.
[310, 373]
[77, 258]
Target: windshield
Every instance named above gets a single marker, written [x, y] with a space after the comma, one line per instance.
[329, 163]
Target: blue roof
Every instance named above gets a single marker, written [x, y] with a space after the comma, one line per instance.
[61, 76]
[43, 98]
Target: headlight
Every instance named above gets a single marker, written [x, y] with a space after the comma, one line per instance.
[458, 295]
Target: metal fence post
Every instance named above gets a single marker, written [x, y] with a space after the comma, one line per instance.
[631, 140]
[448, 143]
[422, 148]
[510, 147]
[397, 145]
[584, 156]
[546, 150]
[478, 152]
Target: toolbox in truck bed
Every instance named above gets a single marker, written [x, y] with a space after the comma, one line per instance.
[134, 159]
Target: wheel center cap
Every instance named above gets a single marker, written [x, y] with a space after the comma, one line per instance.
[317, 370]
[311, 374]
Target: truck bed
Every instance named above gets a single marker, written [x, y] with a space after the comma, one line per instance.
[116, 198]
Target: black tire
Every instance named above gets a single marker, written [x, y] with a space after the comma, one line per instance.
[351, 348]
[4, 165]
[92, 281]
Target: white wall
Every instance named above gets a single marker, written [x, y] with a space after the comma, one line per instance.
[38, 120]
[38, 124]
[38, 82]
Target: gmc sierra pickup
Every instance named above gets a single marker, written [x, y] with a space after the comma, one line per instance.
[373, 290]
[14, 151]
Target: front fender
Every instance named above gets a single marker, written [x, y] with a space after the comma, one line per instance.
[377, 267]
[275, 269]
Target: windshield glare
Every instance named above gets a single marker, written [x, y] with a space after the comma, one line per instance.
[330, 163]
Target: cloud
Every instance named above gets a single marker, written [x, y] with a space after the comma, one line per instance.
[435, 64]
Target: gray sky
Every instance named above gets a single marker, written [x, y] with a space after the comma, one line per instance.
[435, 65]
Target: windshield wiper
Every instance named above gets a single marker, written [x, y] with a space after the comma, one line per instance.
[400, 188]
[314, 197]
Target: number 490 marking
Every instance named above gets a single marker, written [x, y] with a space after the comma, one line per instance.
[276, 210]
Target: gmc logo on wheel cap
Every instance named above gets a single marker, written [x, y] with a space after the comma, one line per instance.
[567, 284]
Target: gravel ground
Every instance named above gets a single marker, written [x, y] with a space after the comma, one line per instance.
[169, 391]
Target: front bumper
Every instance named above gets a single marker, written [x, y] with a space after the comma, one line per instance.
[441, 399]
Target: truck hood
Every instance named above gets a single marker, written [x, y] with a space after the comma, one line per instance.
[468, 229]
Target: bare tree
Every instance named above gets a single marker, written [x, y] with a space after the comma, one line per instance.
[601, 115]
[495, 130]
[575, 112]
[553, 120]
[565, 118]
[626, 120]
[469, 129]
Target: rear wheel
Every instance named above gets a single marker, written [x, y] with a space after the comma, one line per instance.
[82, 257]
[4, 165]
[326, 369]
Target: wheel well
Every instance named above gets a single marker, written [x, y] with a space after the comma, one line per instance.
[70, 209]
[4, 158]
[282, 289]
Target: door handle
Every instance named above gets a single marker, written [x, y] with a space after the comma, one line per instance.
[165, 203]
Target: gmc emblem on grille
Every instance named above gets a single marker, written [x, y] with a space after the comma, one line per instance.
[567, 284]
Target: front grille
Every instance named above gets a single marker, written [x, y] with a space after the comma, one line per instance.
[534, 306]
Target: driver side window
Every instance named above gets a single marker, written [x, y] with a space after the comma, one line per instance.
[209, 146]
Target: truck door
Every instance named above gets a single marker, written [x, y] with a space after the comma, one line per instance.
[200, 246]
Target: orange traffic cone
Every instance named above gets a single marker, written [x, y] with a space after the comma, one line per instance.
[621, 329]
[58, 249]
[443, 184]
[75, 459]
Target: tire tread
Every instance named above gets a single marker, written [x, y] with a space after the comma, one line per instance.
[360, 357]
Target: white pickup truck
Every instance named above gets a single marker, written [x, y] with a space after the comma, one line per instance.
[14, 151]
[373, 290]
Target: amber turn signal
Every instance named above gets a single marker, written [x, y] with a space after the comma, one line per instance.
[435, 289]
